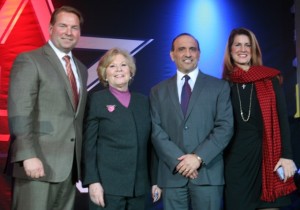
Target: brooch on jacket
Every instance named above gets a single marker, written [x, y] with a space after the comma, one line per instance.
[111, 108]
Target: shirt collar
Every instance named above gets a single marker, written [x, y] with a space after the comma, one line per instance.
[59, 53]
[193, 75]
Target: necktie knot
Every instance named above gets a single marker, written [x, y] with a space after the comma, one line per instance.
[186, 77]
[67, 59]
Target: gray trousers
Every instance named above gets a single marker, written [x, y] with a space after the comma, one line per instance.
[194, 197]
[36, 195]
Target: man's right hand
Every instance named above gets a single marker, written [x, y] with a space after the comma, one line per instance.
[34, 168]
[188, 166]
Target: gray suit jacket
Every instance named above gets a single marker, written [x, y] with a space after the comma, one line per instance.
[205, 131]
[42, 119]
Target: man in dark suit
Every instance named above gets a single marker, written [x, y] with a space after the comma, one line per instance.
[45, 113]
[190, 146]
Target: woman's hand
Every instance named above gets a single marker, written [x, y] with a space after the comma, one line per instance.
[289, 167]
[97, 194]
[156, 193]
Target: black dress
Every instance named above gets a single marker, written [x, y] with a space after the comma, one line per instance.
[243, 156]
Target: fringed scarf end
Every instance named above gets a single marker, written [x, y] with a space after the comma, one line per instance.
[279, 192]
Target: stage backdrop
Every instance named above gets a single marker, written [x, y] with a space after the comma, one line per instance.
[146, 29]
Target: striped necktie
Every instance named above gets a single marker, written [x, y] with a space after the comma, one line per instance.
[72, 80]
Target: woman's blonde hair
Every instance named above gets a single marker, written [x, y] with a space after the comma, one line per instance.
[108, 58]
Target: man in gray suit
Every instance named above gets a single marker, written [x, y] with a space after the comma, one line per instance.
[190, 146]
[45, 117]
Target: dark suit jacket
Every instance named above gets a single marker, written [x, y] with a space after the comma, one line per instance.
[116, 144]
[42, 120]
[205, 131]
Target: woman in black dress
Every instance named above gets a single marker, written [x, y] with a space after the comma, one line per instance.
[261, 143]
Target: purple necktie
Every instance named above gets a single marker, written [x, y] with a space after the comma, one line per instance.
[185, 94]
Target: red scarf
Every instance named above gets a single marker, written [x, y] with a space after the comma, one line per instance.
[272, 187]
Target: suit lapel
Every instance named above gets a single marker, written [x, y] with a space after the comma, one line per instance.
[173, 92]
[57, 66]
[80, 76]
[198, 87]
